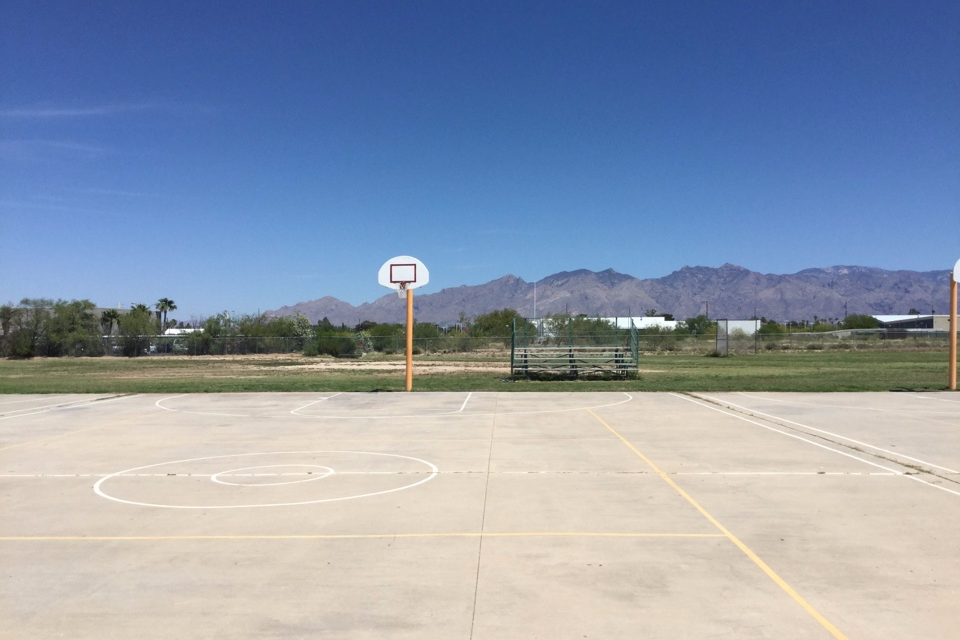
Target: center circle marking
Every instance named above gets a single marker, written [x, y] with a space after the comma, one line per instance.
[405, 472]
[239, 472]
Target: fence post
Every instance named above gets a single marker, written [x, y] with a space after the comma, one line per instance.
[513, 344]
[952, 376]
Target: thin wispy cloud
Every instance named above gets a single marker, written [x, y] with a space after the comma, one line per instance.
[34, 150]
[66, 145]
[14, 207]
[48, 112]
[60, 112]
[93, 191]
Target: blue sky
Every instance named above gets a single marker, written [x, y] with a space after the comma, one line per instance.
[242, 155]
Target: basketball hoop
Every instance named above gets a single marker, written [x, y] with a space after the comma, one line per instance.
[404, 274]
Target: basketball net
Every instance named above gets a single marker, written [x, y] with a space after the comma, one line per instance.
[402, 290]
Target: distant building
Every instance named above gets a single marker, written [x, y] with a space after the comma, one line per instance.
[915, 322]
[747, 327]
[642, 322]
[180, 332]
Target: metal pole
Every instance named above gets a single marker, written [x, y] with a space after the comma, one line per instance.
[513, 345]
[953, 333]
[409, 339]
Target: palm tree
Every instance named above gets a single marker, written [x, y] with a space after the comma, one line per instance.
[164, 305]
[108, 318]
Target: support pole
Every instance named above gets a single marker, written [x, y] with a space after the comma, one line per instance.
[953, 331]
[409, 339]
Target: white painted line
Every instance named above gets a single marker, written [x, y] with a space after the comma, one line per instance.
[157, 403]
[303, 477]
[98, 486]
[859, 443]
[791, 435]
[65, 405]
[33, 399]
[208, 475]
[937, 398]
[464, 405]
[842, 406]
[816, 444]
[310, 404]
[421, 416]
[403, 473]
[785, 473]
[199, 413]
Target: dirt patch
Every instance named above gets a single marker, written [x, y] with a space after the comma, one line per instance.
[222, 365]
[384, 365]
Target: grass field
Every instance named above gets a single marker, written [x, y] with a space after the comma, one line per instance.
[793, 371]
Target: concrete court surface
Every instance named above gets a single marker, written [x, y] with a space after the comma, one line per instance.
[481, 516]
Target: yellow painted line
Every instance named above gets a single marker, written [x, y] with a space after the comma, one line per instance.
[363, 536]
[826, 624]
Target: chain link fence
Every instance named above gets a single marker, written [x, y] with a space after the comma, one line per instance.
[853, 340]
[646, 342]
[198, 344]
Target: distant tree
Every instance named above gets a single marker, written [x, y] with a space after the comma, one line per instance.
[769, 327]
[496, 324]
[700, 325]
[330, 340]
[252, 325]
[301, 325]
[109, 318]
[11, 318]
[650, 313]
[219, 325]
[364, 342]
[136, 327]
[164, 305]
[7, 313]
[557, 326]
[73, 330]
[594, 331]
[27, 328]
[913, 312]
[860, 321]
[387, 337]
[425, 331]
[563, 329]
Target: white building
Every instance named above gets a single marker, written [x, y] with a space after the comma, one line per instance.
[642, 322]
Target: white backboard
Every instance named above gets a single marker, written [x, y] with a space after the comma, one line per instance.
[956, 272]
[403, 269]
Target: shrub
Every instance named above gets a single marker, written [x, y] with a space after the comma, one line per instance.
[364, 342]
[338, 346]
[198, 343]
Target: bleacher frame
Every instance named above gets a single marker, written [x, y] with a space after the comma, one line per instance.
[533, 357]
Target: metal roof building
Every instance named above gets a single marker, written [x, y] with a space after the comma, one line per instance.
[928, 322]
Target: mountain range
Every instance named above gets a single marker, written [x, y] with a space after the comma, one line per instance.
[729, 291]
